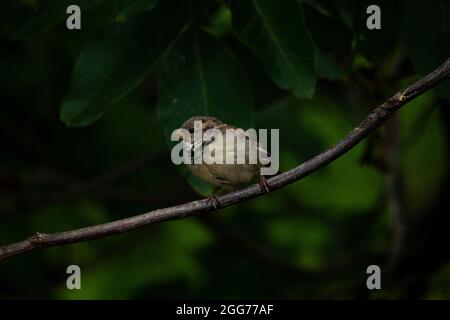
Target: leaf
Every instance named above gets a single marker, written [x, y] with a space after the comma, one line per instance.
[275, 32]
[126, 8]
[330, 47]
[109, 69]
[201, 77]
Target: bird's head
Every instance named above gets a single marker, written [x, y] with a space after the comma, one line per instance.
[206, 123]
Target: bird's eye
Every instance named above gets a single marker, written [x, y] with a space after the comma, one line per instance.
[191, 130]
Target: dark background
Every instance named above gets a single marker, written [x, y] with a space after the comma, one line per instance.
[381, 203]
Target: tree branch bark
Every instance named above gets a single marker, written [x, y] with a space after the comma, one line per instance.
[375, 119]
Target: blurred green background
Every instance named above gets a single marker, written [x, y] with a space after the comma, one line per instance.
[381, 203]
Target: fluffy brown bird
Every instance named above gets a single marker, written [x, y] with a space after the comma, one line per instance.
[224, 175]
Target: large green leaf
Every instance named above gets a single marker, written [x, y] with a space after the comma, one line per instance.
[201, 77]
[107, 70]
[332, 49]
[275, 32]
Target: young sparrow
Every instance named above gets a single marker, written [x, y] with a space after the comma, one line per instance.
[223, 175]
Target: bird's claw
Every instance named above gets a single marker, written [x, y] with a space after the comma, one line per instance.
[214, 201]
[264, 185]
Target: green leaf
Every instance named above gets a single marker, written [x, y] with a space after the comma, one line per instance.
[330, 47]
[126, 8]
[109, 69]
[275, 32]
[201, 77]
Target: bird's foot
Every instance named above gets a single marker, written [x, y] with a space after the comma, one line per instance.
[263, 183]
[213, 200]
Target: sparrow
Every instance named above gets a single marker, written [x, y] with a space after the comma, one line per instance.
[223, 175]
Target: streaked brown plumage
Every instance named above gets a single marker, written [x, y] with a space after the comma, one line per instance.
[224, 175]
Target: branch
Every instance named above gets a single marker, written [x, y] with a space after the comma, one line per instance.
[375, 119]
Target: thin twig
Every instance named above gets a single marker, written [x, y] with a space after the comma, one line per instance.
[375, 119]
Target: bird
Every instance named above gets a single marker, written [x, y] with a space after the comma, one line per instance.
[223, 175]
